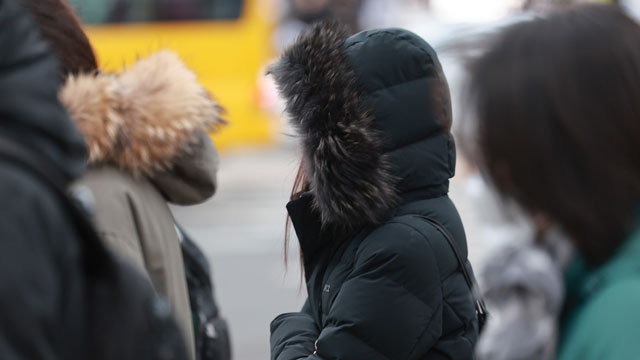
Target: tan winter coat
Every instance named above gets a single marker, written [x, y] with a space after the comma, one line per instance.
[146, 133]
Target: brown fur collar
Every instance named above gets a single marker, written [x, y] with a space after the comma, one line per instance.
[143, 118]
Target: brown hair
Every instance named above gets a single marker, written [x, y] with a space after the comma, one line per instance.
[62, 29]
[558, 107]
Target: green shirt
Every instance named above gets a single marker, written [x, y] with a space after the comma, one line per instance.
[603, 322]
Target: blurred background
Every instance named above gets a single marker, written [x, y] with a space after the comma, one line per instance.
[229, 43]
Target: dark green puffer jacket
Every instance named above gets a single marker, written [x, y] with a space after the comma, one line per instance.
[374, 115]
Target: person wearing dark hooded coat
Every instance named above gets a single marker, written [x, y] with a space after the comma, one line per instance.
[373, 113]
[41, 278]
[63, 292]
[146, 133]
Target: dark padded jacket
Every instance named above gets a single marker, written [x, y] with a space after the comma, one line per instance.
[41, 278]
[62, 295]
[374, 116]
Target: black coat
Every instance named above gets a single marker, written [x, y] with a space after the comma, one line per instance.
[64, 295]
[42, 303]
[374, 114]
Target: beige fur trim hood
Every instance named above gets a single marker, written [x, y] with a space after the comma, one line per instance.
[143, 118]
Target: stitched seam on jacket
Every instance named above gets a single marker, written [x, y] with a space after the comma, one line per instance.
[408, 40]
[460, 320]
[466, 338]
[430, 136]
[394, 280]
[398, 84]
[464, 323]
[435, 310]
[413, 349]
[367, 343]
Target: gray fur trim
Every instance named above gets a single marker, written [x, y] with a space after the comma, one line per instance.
[349, 175]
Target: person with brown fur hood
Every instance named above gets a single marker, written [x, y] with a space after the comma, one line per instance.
[146, 134]
[146, 131]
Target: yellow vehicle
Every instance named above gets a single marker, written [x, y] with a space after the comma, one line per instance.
[226, 42]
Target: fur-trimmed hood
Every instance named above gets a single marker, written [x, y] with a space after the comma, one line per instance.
[149, 120]
[374, 114]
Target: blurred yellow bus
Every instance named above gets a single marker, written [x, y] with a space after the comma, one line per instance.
[226, 42]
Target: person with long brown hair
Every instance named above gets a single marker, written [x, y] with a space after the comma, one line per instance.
[146, 130]
[558, 131]
[383, 248]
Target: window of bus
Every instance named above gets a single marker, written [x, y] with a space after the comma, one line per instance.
[133, 11]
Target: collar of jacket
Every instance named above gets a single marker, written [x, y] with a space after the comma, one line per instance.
[583, 281]
[306, 224]
[373, 113]
[312, 234]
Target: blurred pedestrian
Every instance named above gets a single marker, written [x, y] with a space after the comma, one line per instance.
[383, 247]
[146, 131]
[522, 285]
[558, 132]
[300, 15]
[64, 296]
[347, 12]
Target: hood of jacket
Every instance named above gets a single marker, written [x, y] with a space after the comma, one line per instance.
[373, 112]
[30, 111]
[150, 120]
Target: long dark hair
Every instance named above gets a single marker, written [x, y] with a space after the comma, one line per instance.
[558, 107]
[62, 29]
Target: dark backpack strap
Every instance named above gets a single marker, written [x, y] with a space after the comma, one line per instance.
[481, 308]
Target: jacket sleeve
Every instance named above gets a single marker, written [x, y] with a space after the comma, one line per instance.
[389, 307]
[293, 336]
